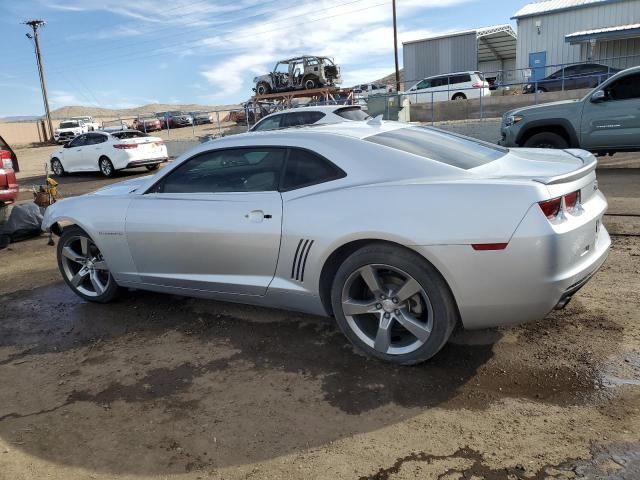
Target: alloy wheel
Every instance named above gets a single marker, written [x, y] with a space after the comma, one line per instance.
[84, 266]
[105, 167]
[56, 166]
[387, 309]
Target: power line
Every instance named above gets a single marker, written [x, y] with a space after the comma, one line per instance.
[159, 52]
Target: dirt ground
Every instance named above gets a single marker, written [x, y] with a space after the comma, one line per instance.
[156, 387]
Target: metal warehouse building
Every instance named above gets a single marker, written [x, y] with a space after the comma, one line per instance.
[489, 49]
[554, 32]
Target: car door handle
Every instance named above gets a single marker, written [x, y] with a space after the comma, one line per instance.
[257, 216]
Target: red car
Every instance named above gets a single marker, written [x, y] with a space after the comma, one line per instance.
[147, 124]
[8, 169]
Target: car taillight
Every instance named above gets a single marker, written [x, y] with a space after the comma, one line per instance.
[572, 199]
[551, 208]
[5, 159]
[478, 85]
[125, 146]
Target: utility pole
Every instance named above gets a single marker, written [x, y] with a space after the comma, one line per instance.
[395, 45]
[35, 24]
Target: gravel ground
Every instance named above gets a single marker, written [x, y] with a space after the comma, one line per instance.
[156, 386]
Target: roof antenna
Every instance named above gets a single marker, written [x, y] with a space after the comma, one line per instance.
[375, 121]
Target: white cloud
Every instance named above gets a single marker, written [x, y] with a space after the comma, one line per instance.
[63, 98]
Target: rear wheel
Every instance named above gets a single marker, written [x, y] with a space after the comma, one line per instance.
[106, 167]
[392, 304]
[83, 267]
[56, 167]
[546, 140]
[459, 96]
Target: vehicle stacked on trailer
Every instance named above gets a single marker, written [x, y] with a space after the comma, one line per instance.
[8, 168]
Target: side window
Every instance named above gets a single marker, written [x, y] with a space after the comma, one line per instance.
[95, 139]
[459, 79]
[305, 168]
[423, 84]
[79, 141]
[270, 123]
[255, 169]
[293, 119]
[439, 81]
[312, 117]
[626, 88]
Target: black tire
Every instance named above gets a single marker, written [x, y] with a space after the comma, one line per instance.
[56, 167]
[153, 167]
[546, 140]
[70, 238]
[106, 167]
[263, 88]
[459, 96]
[310, 83]
[443, 311]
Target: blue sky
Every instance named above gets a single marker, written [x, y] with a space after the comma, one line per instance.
[117, 54]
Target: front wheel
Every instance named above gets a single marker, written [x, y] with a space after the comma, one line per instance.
[106, 167]
[393, 305]
[263, 88]
[546, 140]
[83, 268]
[56, 167]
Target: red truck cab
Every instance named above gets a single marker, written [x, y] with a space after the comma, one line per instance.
[8, 168]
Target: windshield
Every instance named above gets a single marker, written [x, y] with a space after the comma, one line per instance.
[68, 124]
[352, 113]
[434, 144]
[175, 113]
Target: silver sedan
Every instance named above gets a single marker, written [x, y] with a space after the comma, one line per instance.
[399, 232]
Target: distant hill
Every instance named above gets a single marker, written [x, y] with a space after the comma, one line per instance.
[20, 118]
[98, 112]
[391, 79]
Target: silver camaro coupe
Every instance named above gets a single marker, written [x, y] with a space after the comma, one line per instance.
[400, 232]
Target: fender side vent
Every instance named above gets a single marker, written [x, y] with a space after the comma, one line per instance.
[300, 259]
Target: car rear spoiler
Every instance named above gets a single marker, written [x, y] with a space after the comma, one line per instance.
[589, 164]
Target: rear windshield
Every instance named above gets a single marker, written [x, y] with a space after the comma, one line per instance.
[445, 147]
[129, 134]
[352, 113]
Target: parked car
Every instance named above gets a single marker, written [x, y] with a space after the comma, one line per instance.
[109, 152]
[310, 116]
[174, 119]
[392, 228]
[89, 122]
[299, 73]
[200, 118]
[454, 86]
[114, 126]
[8, 168]
[149, 123]
[367, 88]
[69, 129]
[584, 75]
[606, 120]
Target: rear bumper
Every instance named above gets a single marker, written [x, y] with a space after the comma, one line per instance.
[149, 161]
[542, 267]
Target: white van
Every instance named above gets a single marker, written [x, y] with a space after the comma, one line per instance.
[453, 86]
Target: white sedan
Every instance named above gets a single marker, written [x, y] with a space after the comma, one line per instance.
[108, 152]
[296, 117]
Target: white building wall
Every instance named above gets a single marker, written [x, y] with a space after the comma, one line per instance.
[554, 26]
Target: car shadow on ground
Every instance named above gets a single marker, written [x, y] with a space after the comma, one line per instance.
[162, 384]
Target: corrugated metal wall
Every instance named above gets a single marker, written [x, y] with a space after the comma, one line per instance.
[441, 55]
[555, 26]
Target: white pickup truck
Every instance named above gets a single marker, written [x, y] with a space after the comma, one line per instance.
[88, 121]
[68, 130]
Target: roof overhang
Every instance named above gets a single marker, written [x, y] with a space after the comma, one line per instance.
[496, 43]
[610, 33]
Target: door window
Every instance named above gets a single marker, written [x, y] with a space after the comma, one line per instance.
[95, 139]
[234, 170]
[305, 168]
[625, 88]
[422, 84]
[270, 123]
[440, 82]
[78, 141]
[464, 78]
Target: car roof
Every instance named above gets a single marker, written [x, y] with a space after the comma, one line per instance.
[316, 108]
[358, 130]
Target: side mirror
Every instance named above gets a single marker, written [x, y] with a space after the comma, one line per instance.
[598, 96]
[66, 144]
